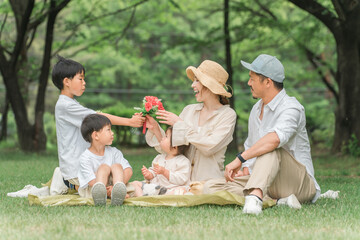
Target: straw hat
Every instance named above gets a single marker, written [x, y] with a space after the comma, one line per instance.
[212, 75]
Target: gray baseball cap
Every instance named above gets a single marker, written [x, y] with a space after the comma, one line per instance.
[267, 65]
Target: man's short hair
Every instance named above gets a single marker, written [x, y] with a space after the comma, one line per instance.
[277, 85]
[91, 123]
[65, 68]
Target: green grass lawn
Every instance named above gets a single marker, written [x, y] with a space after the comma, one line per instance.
[327, 219]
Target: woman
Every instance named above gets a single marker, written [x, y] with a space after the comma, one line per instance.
[207, 126]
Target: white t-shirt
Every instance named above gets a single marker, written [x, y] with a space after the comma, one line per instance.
[90, 162]
[69, 115]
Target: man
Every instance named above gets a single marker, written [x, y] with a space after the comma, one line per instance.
[277, 149]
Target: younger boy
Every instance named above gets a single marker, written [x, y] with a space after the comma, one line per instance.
[102, 165]
[69, 77]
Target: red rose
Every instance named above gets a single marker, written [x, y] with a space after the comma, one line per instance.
[148, 106]
[160, 106]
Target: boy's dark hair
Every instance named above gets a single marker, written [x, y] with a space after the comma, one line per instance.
[182, 148]
[65, 68]
[91, 123]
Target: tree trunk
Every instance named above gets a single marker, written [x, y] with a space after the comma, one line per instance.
[346, 30]
[234, 144]
[3, 133]
[31, 137]
[348, 77]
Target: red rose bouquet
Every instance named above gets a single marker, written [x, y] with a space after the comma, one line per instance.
[150, 105]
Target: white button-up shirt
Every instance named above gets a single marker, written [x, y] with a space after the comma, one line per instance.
[285, 116]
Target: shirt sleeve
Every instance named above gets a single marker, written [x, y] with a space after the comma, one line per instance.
[152, 141]
[86, 173]
[76, 113]
[181, 175]
[120, 159]
[207, 141]
[286, 125]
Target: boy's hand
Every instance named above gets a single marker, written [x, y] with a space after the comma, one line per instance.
[109, 190]
[146, 173]
[159, 169]
[137, 120]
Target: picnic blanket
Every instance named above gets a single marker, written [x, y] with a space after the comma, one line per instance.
[218, 198]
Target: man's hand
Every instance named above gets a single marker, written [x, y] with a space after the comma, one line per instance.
[231, 169]
[244, 172]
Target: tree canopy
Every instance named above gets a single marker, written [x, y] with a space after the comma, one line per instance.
[147, 45]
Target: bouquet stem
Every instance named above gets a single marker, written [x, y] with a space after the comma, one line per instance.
[144, 127]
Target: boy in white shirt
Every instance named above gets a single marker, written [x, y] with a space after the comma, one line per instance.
[69, 77]
[102, 165]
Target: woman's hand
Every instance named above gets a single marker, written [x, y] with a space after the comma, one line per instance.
[137, 120]
[168, 118]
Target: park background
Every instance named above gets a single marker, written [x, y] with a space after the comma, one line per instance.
[131, 49]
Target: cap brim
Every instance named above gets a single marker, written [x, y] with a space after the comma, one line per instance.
[248, 66]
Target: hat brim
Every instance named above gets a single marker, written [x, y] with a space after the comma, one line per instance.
[249, 66]
[207, 81]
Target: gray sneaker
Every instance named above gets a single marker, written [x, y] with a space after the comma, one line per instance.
[98, 193]
[253, 205]
[118, 194]
[290, 201]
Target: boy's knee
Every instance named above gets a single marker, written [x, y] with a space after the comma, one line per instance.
[104, 168]
[117, 166]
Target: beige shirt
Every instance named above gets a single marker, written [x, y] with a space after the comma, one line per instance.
[208, 143]
[179, 171]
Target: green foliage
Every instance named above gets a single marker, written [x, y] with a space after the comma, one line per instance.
[50, 130]
[352, 147]
[130, 56]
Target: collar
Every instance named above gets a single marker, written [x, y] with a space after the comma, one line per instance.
[277, 99]
[200, 106]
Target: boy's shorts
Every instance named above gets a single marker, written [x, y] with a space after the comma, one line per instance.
[70, 183]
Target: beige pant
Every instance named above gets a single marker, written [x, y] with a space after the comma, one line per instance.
[277, 174]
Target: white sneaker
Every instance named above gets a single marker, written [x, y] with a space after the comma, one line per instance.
[253, 205]
[57, 186]
[290, 201]
[118, 194]
[98, 193]
[23, 192]
[44, 191]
